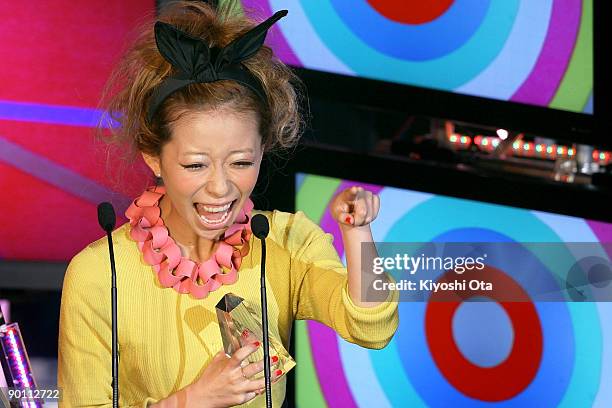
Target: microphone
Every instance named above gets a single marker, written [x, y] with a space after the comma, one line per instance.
[107, 219]
[261, 228]
[106, 216]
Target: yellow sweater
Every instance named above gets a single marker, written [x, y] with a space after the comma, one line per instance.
[167, 339]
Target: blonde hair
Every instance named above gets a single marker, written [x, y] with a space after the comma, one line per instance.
[143, 68]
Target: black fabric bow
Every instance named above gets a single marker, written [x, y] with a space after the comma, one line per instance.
[195, 62]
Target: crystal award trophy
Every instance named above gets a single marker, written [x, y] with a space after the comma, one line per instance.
[240, 325]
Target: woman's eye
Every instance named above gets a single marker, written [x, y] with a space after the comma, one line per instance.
[194, 166]
[244, 164]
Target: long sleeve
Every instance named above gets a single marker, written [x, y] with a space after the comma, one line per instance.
[166, 339]
[84, 365]
[320, 292]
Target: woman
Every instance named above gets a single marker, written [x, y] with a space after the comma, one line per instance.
[202, 100]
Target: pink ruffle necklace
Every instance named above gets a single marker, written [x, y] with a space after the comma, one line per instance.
[174, 270]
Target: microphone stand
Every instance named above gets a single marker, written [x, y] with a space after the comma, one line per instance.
[261, 228]
[106, 219]
[114, 350]
[264, 324]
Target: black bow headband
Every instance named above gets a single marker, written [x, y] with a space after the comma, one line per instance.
[197, 63]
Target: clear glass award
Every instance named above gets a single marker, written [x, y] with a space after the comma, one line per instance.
[240, 325]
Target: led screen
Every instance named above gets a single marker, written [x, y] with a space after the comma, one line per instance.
[573, 364]
[533, 52]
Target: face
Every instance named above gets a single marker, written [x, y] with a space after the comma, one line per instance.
[209, 167]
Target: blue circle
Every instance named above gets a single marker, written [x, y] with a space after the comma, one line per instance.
[411, 42]
[546, 389]
[446, 72]
[572, 336]
[483, 332]
[556, 367]
[531, 265]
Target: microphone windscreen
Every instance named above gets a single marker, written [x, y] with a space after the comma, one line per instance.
[106, 216]
[260, 226]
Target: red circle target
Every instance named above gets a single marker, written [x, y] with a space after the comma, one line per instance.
[517, 371]
[411, 11]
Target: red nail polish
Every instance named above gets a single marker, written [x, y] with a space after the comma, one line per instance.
[274, 359]
[348, 220]
[245, 333]
[278, 372]
[256, 344]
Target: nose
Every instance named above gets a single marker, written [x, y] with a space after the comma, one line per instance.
[217, 184]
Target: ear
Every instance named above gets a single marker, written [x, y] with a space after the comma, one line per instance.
[153, 162]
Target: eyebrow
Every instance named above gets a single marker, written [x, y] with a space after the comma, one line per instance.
[249, 150]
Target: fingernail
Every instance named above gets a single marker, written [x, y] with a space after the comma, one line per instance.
[245, 333]
[256, 344]
[278, 372]
[274, 359]
[348, 220]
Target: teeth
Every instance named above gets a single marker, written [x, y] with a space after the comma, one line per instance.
[219, 221]
[216, 209]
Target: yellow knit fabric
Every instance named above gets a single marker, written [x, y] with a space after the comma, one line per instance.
[167, 339]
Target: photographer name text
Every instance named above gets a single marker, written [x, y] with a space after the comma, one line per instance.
[428, 285]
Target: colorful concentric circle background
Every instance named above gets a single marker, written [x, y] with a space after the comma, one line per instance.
[472, 354]
[534, 52]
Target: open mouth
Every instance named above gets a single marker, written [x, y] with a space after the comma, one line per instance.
[214, 215]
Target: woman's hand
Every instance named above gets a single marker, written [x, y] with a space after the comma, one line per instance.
[225, 382]
[355, 207]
